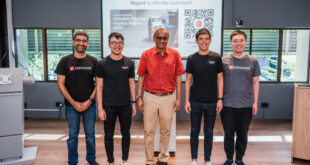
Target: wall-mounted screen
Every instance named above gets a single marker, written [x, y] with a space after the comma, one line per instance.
[137, 20]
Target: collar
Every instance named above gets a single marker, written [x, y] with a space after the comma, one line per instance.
[154, 51]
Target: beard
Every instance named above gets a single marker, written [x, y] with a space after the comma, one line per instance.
[80, 48]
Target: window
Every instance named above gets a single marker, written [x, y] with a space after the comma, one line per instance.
[287, 62]
[183, 77]
[31, 55]
[295, 54]
[265, 47]
[59, 44]
[227, 49]
[136, 63]
[30, 52]
[94, 48]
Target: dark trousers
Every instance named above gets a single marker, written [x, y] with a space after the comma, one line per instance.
[209, 113]
[236, 120]
[124, 115]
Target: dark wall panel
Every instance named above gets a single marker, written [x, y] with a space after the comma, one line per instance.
[57, 13]
[43, 96]
[82, 13]
[228, 13]
[280, 98]
[273, 13]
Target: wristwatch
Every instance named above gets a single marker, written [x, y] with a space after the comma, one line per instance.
[133, 101]
[92, 100]
[139, 96]
[220, 98]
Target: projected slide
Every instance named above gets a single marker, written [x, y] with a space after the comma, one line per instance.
[138, 20]
[138, 26]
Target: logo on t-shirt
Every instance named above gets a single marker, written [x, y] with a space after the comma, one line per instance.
[75, 68]
[211, 62]
[242, 67]
[124, 67]
[231, 67]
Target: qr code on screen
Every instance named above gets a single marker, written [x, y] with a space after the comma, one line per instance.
[195, 19]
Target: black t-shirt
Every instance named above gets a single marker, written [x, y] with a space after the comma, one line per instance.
[204, 70]
[79, 76]
[115, 74]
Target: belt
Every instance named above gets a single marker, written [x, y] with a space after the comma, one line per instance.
[159, 94]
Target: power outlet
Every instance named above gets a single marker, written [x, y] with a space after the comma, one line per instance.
[59, 104]
[265, 105]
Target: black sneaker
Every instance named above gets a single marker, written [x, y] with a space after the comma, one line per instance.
[72, 163]
[93, 162]
[228, 162]
[161, 163]
[239, 162]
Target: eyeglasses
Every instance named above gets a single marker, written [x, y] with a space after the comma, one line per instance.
[117, 43]
[202, 39]
[161, 38]
[78, 40]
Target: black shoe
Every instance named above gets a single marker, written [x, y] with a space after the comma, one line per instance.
[72, 163]
[161, 163]
[239, 162]
[93, 162]
[228, 162]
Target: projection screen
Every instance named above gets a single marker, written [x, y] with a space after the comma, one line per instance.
[137, 20]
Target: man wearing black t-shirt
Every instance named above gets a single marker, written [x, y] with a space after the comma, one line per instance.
[116, 95]
[204, 96]
[75, 80]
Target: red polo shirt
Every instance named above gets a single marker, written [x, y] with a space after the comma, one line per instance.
[160, 70]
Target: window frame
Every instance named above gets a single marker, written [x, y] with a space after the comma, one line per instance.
[279, 61]
[45, 50]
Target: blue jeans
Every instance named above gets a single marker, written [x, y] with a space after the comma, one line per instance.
[89, 118]
[209, 114]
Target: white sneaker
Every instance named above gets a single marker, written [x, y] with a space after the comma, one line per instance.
[126, 163]
[209, 163]
[193, 163]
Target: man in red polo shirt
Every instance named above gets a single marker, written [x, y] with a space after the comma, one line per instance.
[159, 71]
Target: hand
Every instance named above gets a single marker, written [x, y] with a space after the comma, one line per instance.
[254, 107]
[101, 114]
[140, 104]
[77, 106]
[134, 109]
[219, 106]
[177, 105]
[86, 104]
[187, 107]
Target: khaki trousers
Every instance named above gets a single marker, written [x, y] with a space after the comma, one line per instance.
[162, 108]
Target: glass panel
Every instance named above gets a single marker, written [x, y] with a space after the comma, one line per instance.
[59, 44]
[184, 75]
[295, 52]
[94, 48]
[265, 45]
[136, 62]
[227, 49]
[30, 52]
